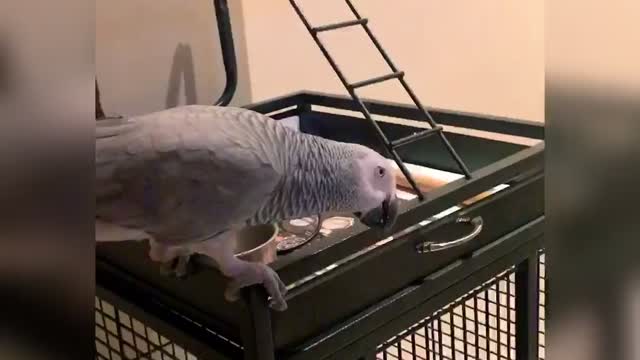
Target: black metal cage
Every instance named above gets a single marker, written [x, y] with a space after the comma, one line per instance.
[390, 285]
[481, 299]
[459, 303]
[480, 325]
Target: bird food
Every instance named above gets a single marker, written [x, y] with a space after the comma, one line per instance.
[297, 232]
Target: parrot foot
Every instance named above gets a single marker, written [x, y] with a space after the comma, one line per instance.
[174, 259]
[179, 267]
[242, 273]
[245, 274]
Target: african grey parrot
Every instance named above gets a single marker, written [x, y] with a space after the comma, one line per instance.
[189, 177]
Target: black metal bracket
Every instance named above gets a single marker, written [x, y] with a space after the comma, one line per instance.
[257, 337]
[527, 307]
[390, 146]
[228, 52]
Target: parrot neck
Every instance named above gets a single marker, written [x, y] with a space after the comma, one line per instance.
[317, 180]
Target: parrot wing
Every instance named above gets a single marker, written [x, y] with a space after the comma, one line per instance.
[182, 174]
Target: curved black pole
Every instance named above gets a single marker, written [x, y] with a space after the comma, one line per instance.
[228, 52]
[228, 57]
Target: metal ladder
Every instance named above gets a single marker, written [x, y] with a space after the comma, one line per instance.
[390, 146]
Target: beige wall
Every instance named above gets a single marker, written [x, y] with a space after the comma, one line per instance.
[480, 56]
[581, 51]
[147, 49]
[485, 57]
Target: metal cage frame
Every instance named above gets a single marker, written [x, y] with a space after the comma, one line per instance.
[360, 336]
[498, 310]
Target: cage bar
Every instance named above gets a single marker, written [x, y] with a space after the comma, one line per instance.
[377, 79]
[339, 25]
[415, 137]
[488, 308]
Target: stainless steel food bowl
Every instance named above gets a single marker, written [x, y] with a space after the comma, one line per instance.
[257, 243]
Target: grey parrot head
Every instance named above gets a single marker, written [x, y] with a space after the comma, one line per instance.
[376, 204]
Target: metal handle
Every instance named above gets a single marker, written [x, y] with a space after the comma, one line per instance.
[429, 246]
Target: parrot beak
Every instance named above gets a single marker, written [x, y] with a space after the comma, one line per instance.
[384, 216]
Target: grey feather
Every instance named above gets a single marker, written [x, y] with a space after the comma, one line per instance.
[187, 173]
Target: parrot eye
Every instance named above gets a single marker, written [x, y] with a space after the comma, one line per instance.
[380, 171]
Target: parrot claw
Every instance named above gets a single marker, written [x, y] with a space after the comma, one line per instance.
[179, 267]
[174, 260]
[250, 273]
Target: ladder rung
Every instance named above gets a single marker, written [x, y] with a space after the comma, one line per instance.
[415, 137]
[395, 75]
[339, 25]
[391, 146]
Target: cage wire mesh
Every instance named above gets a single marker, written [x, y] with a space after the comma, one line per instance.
[120, 336]
[480, 325]
[542, 301]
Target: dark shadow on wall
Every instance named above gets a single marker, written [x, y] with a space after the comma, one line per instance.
[182, 68]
